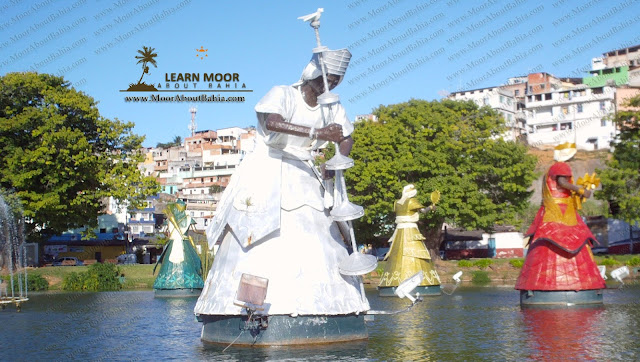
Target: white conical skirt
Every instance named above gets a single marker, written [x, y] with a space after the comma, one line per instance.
[300, 258]
[301, 263]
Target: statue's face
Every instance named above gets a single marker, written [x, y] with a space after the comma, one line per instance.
[318, 84]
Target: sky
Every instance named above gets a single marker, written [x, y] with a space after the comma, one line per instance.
[401, 49]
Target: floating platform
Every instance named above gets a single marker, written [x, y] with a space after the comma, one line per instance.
[560, 298]
[177, 293]
[429, 290]
[280, 330]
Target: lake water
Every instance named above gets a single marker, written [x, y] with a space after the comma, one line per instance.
[473, 324]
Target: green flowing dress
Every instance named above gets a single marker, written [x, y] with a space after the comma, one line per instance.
[181, 267]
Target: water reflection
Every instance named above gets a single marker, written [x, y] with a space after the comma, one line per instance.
[473, 324]
[562, 334]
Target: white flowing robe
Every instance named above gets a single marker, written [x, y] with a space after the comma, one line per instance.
[274, 225]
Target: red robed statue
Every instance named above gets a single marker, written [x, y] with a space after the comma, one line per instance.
[560, 268]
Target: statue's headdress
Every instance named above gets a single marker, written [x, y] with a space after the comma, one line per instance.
[336, 63]
[564, 152]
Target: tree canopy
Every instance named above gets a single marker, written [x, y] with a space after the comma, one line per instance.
[177, 141]
[621, 179]
[61, 158]
[450, 146]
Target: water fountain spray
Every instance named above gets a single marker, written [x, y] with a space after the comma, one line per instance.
[12, 257]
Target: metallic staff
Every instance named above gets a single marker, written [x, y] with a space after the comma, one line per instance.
[343, 211]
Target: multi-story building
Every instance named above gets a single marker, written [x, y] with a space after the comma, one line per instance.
[608, 76]
[198, 172]
[580, 115]
[502, 100]
[622, 57]
[366, 117]
[142, 222]
[542, 83]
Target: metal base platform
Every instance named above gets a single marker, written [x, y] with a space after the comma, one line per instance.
[279, 330]
[177, 293]
[560, 298]
[429, 290]
[17, 301]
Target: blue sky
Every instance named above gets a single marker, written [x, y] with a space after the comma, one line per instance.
[401, 49]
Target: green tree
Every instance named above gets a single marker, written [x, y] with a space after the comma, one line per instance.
[450, 146]
[177, 141]
[621, 179]
[61, 158]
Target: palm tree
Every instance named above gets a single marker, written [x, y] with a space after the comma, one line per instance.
[147, 55]
[177, 141]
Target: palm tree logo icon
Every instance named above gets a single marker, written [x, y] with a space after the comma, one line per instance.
[146, 56]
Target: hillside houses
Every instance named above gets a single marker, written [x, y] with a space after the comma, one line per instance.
[545, 110]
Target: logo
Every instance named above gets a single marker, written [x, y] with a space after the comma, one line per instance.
[202, 51]
[146, 56]
[183, 81]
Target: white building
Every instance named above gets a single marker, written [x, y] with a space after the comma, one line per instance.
[198, 172]
[579, 115]
[501, 100]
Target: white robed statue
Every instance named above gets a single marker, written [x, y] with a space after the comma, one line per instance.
[272, 219]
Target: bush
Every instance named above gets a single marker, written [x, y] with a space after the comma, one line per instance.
[73, 281]
[635, 261]
[34, 282]
[608, 262]
[480, 277]
[483, 263]
[465, 263]
[517, 263]
[100, 277]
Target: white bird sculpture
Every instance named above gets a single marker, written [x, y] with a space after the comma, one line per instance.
[313, 16]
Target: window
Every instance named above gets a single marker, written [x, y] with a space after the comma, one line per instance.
[517, 92]
[565, 109]
[602, 104]
[579, 108]
[603, 122]
[542, 86]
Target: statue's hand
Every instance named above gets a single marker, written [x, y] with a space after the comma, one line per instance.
[587, 193]
[332, 132]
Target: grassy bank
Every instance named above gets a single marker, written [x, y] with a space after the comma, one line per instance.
[498, 271]
[137, 276]
[505, 272]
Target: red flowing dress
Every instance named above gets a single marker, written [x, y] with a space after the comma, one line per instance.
[559, 256]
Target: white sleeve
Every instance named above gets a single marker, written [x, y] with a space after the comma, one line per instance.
[278, 100]
[342, 119]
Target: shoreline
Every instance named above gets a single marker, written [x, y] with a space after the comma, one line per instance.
[500, 273]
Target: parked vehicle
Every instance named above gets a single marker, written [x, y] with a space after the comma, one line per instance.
[381, 253]
[67, 261]
[127, 259]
